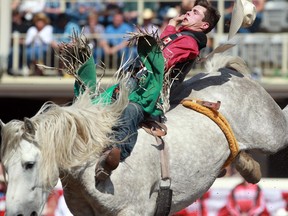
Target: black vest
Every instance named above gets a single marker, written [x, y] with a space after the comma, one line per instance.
[180, 70]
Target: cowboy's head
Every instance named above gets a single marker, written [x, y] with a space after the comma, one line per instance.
[203, 17]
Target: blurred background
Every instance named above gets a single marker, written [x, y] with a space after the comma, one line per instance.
[31, 30]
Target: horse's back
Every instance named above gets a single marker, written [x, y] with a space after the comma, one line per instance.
[252, 113]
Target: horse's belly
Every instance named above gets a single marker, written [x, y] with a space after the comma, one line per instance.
[197, 150]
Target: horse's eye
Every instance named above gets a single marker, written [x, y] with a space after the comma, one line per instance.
[29, 165]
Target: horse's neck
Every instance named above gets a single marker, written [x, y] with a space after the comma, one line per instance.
[78, 183]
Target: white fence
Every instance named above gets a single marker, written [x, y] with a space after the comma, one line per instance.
[21, 64]
[264, 52]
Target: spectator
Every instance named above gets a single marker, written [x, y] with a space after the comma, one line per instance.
[19, 26]
[245, 199]
[148, 25]
[131, 12]
[63, 32]
[31, 7]
[115, 44]
[53, 9]
[15, 4]
[111, 8]
[164, 7]
[79, 11]
[171, 13]
[65, 27]
[94, 32]
[38, 40]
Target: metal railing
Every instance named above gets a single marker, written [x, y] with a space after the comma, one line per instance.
[21, 64]
[262, 51]
[267, 52]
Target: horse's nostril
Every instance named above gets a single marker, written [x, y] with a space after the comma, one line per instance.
[34, 213]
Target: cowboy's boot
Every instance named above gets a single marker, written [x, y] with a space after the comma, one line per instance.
[248, 168]
[222, 173]
[108, 162]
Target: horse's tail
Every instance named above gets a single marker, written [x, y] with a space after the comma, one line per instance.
[220, 61]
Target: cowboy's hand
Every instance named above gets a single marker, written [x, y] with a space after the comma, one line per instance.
[176, 20]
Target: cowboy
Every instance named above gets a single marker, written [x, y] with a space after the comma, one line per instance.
[185, 36]
[142, 102]
[203, 22]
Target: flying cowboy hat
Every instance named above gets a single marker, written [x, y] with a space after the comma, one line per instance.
[243, 15]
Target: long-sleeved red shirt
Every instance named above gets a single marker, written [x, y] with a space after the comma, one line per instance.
[181, 49]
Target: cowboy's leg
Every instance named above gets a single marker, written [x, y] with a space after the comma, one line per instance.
[87, 75]
[126, 132]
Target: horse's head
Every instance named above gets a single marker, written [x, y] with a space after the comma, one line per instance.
[21, 157]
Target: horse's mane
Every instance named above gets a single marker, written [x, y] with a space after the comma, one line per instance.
[223, 60]
[68, 136]
[71, 135]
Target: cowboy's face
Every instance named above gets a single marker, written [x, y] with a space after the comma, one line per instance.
[194, 19]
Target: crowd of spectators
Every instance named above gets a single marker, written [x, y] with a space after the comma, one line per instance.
[103, 22]
[42, 22]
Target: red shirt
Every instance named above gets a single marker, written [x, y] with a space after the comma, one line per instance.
[179, 50]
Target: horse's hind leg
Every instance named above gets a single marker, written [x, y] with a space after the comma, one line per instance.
[248, 168]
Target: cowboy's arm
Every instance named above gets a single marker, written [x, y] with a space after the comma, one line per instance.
[176, 20]
[147, 94]
[171, 27]
[181, 52]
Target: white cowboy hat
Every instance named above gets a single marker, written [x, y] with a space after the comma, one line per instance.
[148, 14]
[171, 13]
[243, 15]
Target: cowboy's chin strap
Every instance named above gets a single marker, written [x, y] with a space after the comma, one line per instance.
[164, 198]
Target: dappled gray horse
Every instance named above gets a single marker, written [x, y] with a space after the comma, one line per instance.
[66, 141]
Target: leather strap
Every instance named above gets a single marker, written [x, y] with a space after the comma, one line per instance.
[154, 128]
[212, 105]
[164, 159]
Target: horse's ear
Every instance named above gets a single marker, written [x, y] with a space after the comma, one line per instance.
[2, 124]
[28, 126]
